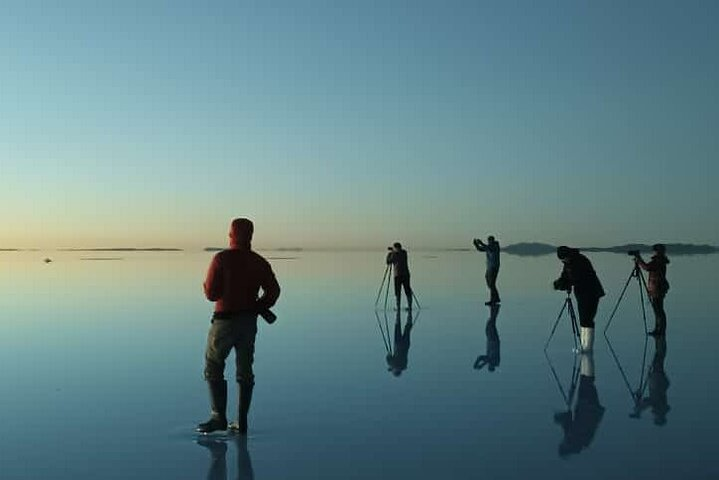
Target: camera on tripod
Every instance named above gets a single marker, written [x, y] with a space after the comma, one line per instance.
[633, 253]
[563, 285]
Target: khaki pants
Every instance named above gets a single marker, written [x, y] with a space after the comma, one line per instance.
[224, 335]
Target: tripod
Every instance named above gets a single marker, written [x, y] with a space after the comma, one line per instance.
[635, 273]
[386, 278]
[568, 305]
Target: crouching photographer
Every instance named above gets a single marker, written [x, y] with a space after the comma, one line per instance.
[578, 274]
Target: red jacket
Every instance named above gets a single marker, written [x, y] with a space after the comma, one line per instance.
[657, 284]
[234, 280]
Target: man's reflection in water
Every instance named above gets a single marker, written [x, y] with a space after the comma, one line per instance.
[579, 429]
[217, 446]
[491, 359]
[397, 358]
[658, 384]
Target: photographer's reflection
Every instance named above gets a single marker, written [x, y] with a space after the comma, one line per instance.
[217, 446]
[581, 425]
[397, 357]
[491, 359]
[658, 384]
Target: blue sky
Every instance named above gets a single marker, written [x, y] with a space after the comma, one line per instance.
[358, 123]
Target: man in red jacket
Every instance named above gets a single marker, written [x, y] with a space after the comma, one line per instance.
[233, 282]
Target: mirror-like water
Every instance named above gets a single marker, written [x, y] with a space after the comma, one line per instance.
[102, 373]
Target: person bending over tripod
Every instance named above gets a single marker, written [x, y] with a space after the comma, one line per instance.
[657, 285]
[397, 257]
[579, 274]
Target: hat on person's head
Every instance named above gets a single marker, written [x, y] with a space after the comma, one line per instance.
[397, 245]
[490, 238]
[564, 252]
[660, 248]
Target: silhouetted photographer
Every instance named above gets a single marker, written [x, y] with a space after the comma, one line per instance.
[578, 274]
[657, 285]
[491, 249]
[397, 258]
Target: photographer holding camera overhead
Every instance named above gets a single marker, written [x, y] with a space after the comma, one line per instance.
[397, 257]
[578, 273]
[657, 285]
[491, 248]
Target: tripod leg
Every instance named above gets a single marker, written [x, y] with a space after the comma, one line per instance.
[619, 300]
[556, 379]
[381, 285]
[386, 293]
[384, 340]
[554, 328]
[573, 317]
[415, 300]
[575, 327]
[642, 285]
[619, 366]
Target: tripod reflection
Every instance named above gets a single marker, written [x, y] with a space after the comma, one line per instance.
[658, 384]
[397, 347]
[636, 392]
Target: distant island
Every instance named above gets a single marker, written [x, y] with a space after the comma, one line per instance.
[121, 249]
[529, 249]
[535, 249]
[522, 249]
[283, 249]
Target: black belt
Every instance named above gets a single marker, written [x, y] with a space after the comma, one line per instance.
[232, 315]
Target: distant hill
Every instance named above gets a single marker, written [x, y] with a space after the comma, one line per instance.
[526, 249]
[284, 249]
[535, 249]
[121, 249]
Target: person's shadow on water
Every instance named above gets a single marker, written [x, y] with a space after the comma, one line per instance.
[581, 425]
[491, 358]
[217, 447]
[397, 358]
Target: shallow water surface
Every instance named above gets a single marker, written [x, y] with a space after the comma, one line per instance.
[102, 373]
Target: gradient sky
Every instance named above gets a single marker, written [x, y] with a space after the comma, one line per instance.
[358, 123]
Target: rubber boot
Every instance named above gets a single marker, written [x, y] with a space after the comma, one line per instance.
[586, 339]
[243, 407]
[586, 366]
[218, 407]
